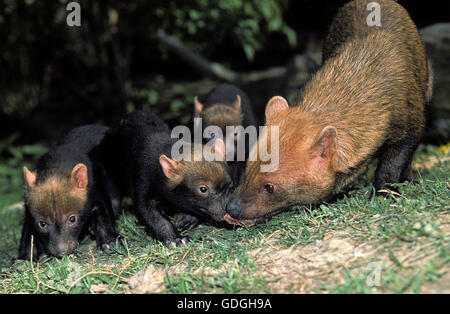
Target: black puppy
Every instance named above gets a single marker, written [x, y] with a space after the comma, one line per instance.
[68, 194]
[137, 154]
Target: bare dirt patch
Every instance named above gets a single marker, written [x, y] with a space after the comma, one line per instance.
[433, 161]
[308, 268]
[303, 269]
[149, 280]
[298, 269]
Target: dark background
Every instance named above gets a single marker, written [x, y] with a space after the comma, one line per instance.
[54, 77]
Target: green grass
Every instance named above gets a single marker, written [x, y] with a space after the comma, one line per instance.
[408, 236]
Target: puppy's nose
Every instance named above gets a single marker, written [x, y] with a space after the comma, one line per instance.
[58, 250]
[64, 248]
[234, 209]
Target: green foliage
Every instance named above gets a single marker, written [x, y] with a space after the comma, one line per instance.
[173, 105]
[246, 22]
[12, 159]
[93, 69]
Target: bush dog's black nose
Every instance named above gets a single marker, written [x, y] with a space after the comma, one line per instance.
[234, 209]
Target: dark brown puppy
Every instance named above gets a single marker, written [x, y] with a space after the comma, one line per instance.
[367, 101]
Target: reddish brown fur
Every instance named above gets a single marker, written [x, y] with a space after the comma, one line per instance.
[370, 93]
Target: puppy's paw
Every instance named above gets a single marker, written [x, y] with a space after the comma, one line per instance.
[116, 242]
[178, 242]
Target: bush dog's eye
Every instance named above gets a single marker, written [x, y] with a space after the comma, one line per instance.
[72, 220]
[42, 224]
[269, 188]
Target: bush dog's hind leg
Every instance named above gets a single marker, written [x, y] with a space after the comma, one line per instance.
[395, 164]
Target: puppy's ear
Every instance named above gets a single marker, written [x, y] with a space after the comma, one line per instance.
[237, 103]
[198, 106]
[219, 149]
[170, 168]
[79, 176]
[30, 177]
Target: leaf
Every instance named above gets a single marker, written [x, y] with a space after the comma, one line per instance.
[249, 51]
[36, 149]
[152, 97]
[176, 105]
[290, 34]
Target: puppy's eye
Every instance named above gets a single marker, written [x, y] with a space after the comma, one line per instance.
[72, 220]
[42, 224]
[212, 134]
[202, 190]
[269, 188]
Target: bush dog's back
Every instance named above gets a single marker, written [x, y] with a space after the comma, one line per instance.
[365, 102]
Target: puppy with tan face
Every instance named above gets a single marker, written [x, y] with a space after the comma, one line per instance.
[66, 196]
[202, 186]
[226, 106]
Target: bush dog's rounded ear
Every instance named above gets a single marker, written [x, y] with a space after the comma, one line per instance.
[30, 177]
[198, 106]
[326, 142]
[275, 105]
[79, 176]
[170, 167]
[237, 103]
